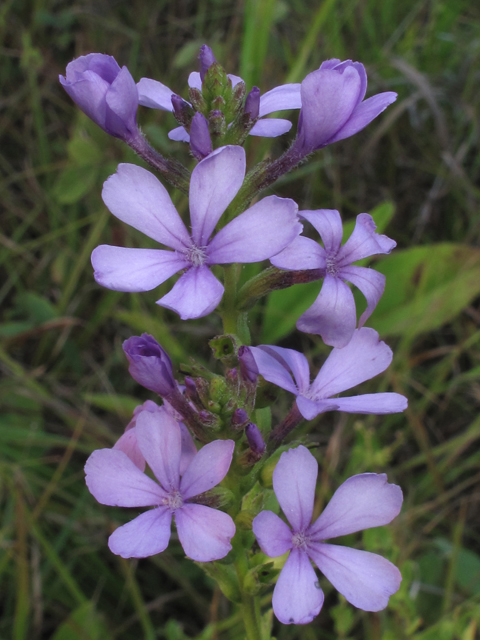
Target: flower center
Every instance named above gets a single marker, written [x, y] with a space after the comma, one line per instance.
[332, 267]
[300, 540]
[173, 501]
[196, 255]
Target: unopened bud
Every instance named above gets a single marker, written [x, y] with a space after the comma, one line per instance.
[252, 103]
[239, 419]
[191, 391]
[218, 125]
[197, 99]
[150, 365]
[205, 59]
[209, 420]
[182, 111]
[200, 141]
[255, 440]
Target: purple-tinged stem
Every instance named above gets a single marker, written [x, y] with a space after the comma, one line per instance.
[281, 431]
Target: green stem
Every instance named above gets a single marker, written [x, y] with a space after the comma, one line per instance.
[229, 312]
[250, 606]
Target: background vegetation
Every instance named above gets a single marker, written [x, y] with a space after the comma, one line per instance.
[65, 389]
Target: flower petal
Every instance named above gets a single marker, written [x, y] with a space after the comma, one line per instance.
[196, 294]
[179, 134]
[364, 242]
[273, 535]
[286, 96]
[363, 501]
[122, 103]
[378, 403]
[88, 90]
[328, 223]
[160, 441]
[204, 533]
[332, 315]
[214, 183]
[154, 94]
[257, 234]
[113, 479]
[364, 357]
[129, 445]
[189, 450]
[207, 468]
[364, 113]
[272, 370]
[270, 127]
[122, 269]
[294, 481]
[135, 196]
[302, 253]
[297, 597]
[293, 361]
[310, 409]
[195, 81]
[371, 284]
[146, 535]
[365, 579]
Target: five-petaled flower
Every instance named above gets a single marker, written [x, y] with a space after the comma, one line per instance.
[364, 357]
[365, 579]
[136, 197]
[115, 480]
[333, 314]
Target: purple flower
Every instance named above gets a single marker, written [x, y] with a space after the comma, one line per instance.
[136, 197]
[106, 93]
[156, 95]
[150, 365]
[365, 579]
[200, 141]
[128, 441]
[333, 105]
[333, 314]
[113, 479]
[363, 358]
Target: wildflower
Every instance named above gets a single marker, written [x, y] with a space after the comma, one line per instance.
[114, 480]
[363, 501]
[333, 105]
[364, 357]
[333, 314]
[105, 92]
[136, 197]
[150, 365]
[128, 441]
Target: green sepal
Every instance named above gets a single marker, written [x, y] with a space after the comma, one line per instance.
[259, 578]
[226, 578]
[225, 348]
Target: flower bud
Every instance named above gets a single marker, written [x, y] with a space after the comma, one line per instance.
[239, 419]
[200, 141]
[248, 366]
[255, 440]
[218, 125]
[252, 103]
[205, 59]
[182, 111]
[105, 92]
[150, 365]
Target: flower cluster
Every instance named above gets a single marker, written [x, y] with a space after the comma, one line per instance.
[205, 432]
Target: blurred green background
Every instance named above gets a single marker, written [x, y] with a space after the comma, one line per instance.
[65, 389]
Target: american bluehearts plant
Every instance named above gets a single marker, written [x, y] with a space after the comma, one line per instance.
[212, 464]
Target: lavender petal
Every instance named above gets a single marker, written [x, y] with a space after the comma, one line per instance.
[129, 445]
[122, 103]
[310, 409]
[196, 294]
[179, 134]
[328, 223]
[286, 96]
[189, 450]
[302, 253]
[146, 535]
[364, 242]
[154, 94]
[371, 284]
[272, 370]
[297, 597]
[365, 579]
[377, 403]
[294, 481]
[293, 361]
[270, 128]
[273, 535]
[207, 468]
[364, 113]
[204, 533]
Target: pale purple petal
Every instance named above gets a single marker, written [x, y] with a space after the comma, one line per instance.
[361, 502]
[297, 597]
[365, 579]
[302, 253]
[129, 445]
[291, 360]
[270, 127]
[257, 234]
[200, 141]
[310, 409]
[144, 536]
[122, 103]
[363, 358]
[189, 450]
[113, 479]
[377, 403]
[159, 439]
[207, 468]
[271, 369]
[235, 79]
[179, 134]
[123, 269]
[328, 223]
[331, 63]
[364, 113]
[294, 481]
[195, 81]
[204, 533]
[154, 94]
[214, 183]
[196, 294]
[273, 535]
[88, 90]
[371, 284]
[286, 96]
[364, 242]
[135, 196]
[332, 315]
[328, 100]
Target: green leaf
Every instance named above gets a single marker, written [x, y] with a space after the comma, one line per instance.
[226, 578]
[83, 624]
[122, 405]
[73, 183]
[36, 307]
